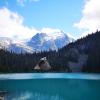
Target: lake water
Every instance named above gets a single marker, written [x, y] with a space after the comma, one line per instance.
[50, 86]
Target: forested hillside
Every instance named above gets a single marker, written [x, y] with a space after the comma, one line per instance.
[82, 55]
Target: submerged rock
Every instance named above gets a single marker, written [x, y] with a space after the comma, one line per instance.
[2, 95]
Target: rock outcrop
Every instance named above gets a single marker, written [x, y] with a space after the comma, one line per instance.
[43, 65]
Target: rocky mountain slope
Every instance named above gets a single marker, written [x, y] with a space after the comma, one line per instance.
[39, 42]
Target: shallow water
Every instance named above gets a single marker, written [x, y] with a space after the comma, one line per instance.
[50, 86]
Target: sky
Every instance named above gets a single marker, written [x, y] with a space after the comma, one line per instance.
[22, 19]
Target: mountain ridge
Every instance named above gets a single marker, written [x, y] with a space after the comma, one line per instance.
[39, 42]
[82, 55]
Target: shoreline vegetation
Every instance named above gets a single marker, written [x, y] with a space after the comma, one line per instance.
[83, 55]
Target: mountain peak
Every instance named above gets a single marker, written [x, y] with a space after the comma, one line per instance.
[49, 41]
[43, 41]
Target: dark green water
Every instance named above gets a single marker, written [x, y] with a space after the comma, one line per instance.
[50, 86]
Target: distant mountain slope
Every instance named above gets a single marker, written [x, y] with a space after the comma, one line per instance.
[17, 47]
[82, 55]
[39, 42]
[46, 42]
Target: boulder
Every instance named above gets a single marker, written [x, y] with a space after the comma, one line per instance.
[43, 64]
[2, 95]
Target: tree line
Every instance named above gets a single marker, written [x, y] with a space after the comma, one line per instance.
[11, 62]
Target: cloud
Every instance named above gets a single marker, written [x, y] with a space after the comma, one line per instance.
[22, 2]
[11, 25]
[54, 32]
[34, 0]
[49, 30]
[90, 21]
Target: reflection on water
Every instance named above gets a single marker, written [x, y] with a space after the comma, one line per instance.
[31, 96]
[49, 86]
[50, 75]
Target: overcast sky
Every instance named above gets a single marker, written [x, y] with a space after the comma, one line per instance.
[23, 18]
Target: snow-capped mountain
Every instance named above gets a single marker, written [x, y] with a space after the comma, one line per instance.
[5, 42]
[47, 41]
[39, 42]
[17, 47]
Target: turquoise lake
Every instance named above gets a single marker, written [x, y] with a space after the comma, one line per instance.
[50, 86]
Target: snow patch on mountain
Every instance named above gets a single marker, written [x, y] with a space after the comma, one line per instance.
[14, 46]
[49, 41]
[39, 42]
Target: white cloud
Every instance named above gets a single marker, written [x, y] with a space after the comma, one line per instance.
[90, 20]
[22, 2]
[34, 0]
[11, 25]
[54, 32]
[49, 30]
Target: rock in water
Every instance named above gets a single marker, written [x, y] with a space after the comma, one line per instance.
[43, 64]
